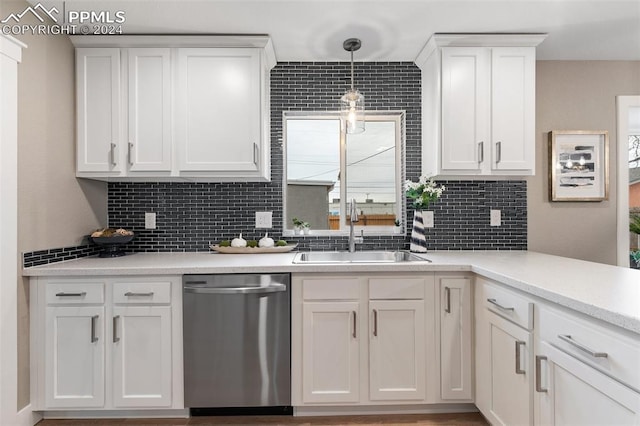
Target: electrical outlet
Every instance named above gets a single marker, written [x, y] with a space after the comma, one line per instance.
[263, 219]
[427, 219]
[496, 218]
[149, 221]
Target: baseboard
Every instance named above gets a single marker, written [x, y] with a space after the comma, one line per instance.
[384, 409]
[117, 414]
[26, 417]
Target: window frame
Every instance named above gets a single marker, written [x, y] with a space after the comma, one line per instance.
[398, 116]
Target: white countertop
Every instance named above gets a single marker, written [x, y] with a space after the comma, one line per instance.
[605, 292]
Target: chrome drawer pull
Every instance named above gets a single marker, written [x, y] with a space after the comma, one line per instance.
[499, 306]
[447, 306]
[539, 359]
[94, 338]
[519, 344]
[130, 294]
[567, 338]
[81, 294]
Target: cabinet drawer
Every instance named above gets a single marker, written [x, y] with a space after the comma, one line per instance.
[396, 288]
[151, 292]
[509, 305]
[605, 349]
[75, 293]
[331, 289]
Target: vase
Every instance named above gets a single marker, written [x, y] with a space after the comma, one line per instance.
[418, 239]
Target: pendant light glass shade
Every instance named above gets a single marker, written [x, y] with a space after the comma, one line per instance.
[352, 102]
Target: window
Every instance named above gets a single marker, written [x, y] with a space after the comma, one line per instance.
[326, 168]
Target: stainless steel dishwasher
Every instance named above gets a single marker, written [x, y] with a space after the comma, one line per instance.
[237, 340]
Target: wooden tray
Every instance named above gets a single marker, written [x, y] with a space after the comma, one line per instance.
[253, 250]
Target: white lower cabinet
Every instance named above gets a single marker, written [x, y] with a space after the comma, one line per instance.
[586, 373]
[142, 356]
[397, 350]
[330, 352]
[361, 340]
[106, 343]
[504, 345]
[74, 356]
[456, 338]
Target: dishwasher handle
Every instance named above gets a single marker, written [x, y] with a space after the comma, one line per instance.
[272, 288]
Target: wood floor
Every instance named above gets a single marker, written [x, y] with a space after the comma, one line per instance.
[464, 419]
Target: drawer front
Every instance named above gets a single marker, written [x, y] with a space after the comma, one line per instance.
[612, 353]
[509, 305]
[331, 289]
[75, 293]
[396, 288]
[142, 293]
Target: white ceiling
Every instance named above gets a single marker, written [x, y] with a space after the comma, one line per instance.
[391, 30]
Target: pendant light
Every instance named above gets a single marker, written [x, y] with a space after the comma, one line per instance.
[352, 102]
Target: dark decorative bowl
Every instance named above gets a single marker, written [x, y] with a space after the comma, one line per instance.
[112, 246]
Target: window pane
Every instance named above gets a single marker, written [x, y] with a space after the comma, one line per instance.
[371, 173]
[313, 170]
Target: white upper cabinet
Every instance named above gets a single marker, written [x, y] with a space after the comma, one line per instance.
[98, 110]
[172, 108]
[219, 125]
[478, 104]
[149, 101]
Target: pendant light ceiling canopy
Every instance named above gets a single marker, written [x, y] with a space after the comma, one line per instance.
[352, 102]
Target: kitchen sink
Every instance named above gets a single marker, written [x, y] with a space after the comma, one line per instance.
[357, 257]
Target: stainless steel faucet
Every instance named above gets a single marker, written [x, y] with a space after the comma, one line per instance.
[353, 213]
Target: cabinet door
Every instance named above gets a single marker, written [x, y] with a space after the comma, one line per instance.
[504, 354]
[98, 109]
[455, 339]
[141, 341]
[74, 357]
[219, 111]
[330, 352]
[149, 142]
[513, 108]
[465, 107]
[397, 350]
[570, 392]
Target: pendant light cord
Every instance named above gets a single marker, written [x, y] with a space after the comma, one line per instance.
[352, 88]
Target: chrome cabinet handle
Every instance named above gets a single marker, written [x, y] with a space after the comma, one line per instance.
[112, 155]
[354, 325]
[499, 306]
[256, 152]
[567, 338]
[480, 151]
[130, 294]
[447, 306]
[539, 359]
[375, 322]
[94, 319]
[129, 158]
[116, 339]
[498, 152]
[519, 344]
[63, 294]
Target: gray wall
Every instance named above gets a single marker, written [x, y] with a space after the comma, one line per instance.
[577, 95]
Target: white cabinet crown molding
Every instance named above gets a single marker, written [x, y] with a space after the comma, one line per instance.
[11, 47]
[477, 40]
[175, 41]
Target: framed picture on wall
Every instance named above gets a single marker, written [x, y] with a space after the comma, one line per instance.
[578, 165]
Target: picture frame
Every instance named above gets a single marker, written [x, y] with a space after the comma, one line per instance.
[578, 165]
